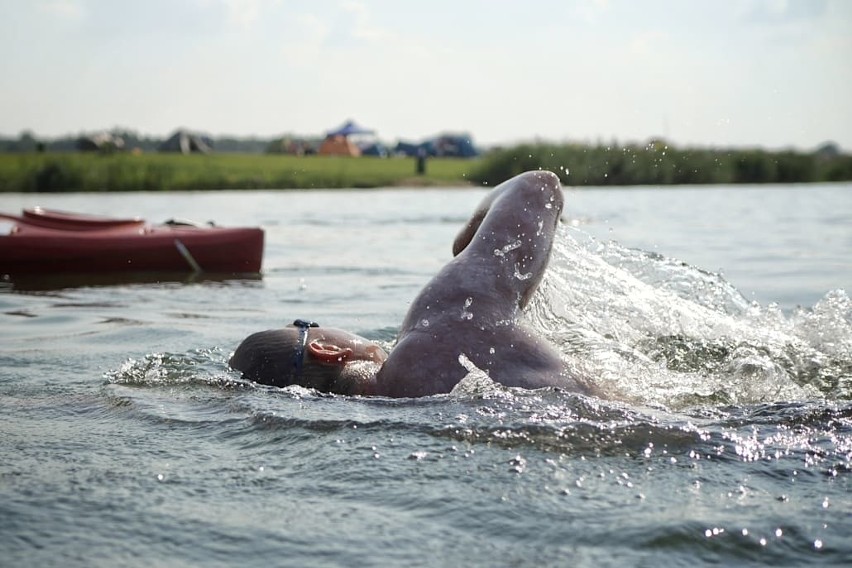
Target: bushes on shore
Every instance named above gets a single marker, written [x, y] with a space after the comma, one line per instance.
[658, 164]
[653, 164]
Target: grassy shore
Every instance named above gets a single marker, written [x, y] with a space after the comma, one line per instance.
[170, 172]
[576, 165]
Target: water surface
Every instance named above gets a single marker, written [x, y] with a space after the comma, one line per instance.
[715, 319]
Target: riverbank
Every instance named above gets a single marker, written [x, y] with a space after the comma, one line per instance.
[61, 172]
[577, 165]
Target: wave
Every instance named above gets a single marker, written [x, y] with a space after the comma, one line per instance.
[649, 329]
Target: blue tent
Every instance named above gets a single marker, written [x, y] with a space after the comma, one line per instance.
[348, 128]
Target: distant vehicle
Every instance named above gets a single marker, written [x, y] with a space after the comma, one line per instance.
[443, 146]
[407, 149]
[375, 149]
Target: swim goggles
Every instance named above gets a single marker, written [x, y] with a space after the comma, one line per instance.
[299, 355]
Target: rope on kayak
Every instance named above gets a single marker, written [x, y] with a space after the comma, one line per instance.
[184, 252]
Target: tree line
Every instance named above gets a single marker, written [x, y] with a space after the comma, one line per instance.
[655, 163]
[27, 141]
[660, 164]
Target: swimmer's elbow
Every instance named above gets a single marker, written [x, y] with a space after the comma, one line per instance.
[543, 186]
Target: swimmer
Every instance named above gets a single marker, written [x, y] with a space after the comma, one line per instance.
[470, 311]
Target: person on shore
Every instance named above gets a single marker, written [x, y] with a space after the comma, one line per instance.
[469, 313]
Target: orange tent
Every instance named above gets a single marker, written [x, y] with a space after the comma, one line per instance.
[338, 145]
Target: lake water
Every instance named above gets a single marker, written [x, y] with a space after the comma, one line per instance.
[716, 320]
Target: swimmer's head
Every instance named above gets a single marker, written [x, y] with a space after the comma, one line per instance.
[323, 358]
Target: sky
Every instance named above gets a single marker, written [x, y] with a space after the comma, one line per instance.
[719, 73]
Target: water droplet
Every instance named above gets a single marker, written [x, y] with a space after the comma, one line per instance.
[509, 247]
[817, 544]
[519, 275]
[466, 315]
[491, 350]
[518, 464]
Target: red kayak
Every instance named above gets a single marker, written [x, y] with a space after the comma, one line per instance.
[44, 241]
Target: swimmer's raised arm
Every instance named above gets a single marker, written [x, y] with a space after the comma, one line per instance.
[472, 307]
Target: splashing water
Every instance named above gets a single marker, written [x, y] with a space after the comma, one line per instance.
[649, 329]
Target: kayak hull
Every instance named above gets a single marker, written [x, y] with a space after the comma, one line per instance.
[95, 245]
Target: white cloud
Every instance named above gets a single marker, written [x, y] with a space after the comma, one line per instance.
[591, 10]
[648, 44]
[242, 13]
[363, 27]
[780, 11]
[302, 47]
[63, 9]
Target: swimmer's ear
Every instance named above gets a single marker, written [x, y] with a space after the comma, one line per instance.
[330, 353]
